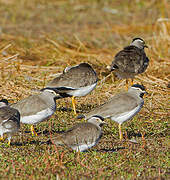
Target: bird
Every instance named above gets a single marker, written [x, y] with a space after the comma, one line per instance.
[37, 108]
[9, 120]
[121, 107]
[81, 136]
[130, 61]
[75, 81]
[4, 102]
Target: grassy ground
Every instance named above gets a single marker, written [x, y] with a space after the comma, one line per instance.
[39, 39]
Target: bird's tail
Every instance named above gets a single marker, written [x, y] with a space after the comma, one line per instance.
[113, 67]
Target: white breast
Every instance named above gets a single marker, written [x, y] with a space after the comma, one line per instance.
[82, 91]
[4, 130]
[36, 118]
[83, 147]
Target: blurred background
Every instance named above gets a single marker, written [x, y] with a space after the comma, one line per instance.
[102, 26]
[39, 38]
[59, 33]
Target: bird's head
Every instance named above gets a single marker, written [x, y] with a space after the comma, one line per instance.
[97, 120]
[138, 90]
[3, 102]
[139, 42]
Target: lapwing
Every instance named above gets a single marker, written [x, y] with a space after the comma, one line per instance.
[130, 61]
[37, 108]
[9, 120]
[75, 81]
[82, 136]
[121, 107]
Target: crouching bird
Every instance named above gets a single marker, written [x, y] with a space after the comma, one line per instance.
[82, 136]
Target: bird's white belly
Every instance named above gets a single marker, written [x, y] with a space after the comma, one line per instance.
[82, 91]
[83, 147]
[36, 118]
[126, 116]
[4, 130]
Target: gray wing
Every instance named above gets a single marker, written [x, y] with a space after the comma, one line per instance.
[30, 105]
[75, 77]
[9, 117]
[119, 104]
[130, 60]
[79, 134]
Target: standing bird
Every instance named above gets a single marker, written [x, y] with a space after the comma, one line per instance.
[130, 61]
[82, 136]
[121, 107]
[75, 81]
[37, 108]
[9, 120]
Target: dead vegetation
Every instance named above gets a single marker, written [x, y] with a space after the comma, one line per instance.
[39, 39]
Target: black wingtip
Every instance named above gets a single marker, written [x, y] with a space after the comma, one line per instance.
[42, 89]
[113, 67]
[81, 116]
[58, 96]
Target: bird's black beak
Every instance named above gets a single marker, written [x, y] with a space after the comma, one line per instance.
[145, 46]
[145, 93]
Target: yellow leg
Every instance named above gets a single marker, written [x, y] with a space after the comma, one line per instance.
[120, 132]
[114, 78]
[9, 142]
[143, 136]
[143, 140]
[74, 104]
[131, 82]
[127, 84]
[33, 131]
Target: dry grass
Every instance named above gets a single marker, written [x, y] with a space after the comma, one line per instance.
[40, 39]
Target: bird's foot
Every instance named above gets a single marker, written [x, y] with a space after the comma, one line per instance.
[33, 131]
